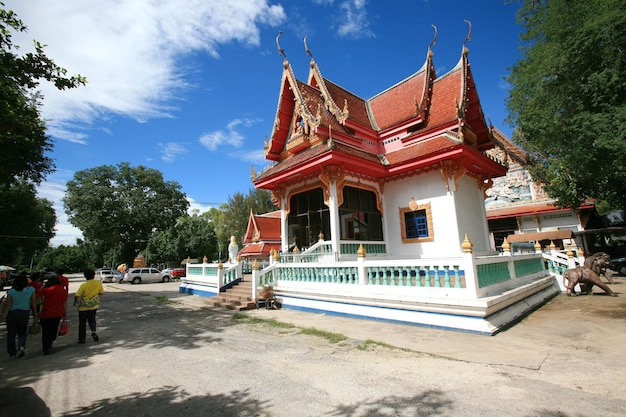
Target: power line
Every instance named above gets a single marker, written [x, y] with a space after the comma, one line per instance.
[26, 237]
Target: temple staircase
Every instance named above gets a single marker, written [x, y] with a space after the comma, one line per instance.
[237, 298]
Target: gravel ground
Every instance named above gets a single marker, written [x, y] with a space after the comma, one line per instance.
[156, 357]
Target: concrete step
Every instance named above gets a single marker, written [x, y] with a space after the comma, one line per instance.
[237, 298]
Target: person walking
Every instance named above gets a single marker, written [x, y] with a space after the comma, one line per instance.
[53, 308]
[88, 300]
[65, 282]
[21, 300]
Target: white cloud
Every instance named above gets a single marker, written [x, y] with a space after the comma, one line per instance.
[171, 151]
[129, 50]
[229, 136]
[354, 20]
[54, 191]
[197, 207]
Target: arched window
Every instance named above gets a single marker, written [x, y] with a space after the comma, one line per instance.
[308, 216]
[359, 216]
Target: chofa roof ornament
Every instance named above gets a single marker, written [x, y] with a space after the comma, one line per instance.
[469, 33]
[281, 51]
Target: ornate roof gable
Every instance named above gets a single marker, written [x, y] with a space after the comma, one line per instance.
[316, 80]
[291, 100]
[408, 102]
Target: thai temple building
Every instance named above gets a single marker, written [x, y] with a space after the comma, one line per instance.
[382, 207]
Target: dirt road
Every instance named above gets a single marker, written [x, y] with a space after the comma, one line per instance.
[156, 357]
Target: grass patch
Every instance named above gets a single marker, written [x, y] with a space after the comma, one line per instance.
[161, 299]
[311, 331]
[372, 343]
[240, 316]
[330, 336]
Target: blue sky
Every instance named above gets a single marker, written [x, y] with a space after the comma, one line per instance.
[190, 87]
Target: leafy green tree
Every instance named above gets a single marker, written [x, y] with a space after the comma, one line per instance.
[23, 141]
[28, 221]
[73, 258]
[217, 217]
[121, 206]
[237, 212]
[259, 201]
[27, 225]
[192, 236]
[568, 98]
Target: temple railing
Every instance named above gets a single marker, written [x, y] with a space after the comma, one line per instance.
[465, 277]
[322, 251]
[216, 276]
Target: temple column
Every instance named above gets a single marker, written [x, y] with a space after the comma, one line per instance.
[333, 208]
[332, 178]
[284, 230]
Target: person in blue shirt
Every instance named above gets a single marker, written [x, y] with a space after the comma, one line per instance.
[21, 300]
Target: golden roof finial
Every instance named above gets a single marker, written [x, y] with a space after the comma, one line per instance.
[467, 245]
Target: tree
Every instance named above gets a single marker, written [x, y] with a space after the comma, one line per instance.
[192, 236]
[237, 212]
[217, 217]
[28, 223]
[568, 98]
[122, 206]
[69, 258]
[23, 142]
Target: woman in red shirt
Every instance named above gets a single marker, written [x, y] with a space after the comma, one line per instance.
[54, 304]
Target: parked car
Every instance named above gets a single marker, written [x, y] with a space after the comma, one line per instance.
[166, 273]
[618, 265]
[139, 275]
[109, 275]
[178, 273]
[8, 279]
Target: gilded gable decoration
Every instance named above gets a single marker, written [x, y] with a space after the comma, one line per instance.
[340, 115]
[278, 193]
[452, 170]
[484, 184]
[332, 174]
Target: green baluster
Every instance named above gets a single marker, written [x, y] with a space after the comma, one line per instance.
[370, 278]
[385, 276]
[378, 275]
[437, 280]
[418, 277]
[446, 276]
[427, 277]
[457, 277]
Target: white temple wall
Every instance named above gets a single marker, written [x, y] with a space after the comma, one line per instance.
[471, 215]
[430, 189]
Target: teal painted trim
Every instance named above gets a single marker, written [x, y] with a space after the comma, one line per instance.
[528, 266]
[194, 270]
[414, 276]
[372, 248]
[489, 274]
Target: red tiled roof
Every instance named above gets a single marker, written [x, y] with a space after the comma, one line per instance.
[530, 208]
[397, 104]
[317, 151]
[391, 108]
[357, 107]
[521, 210]
[268, 227]
[509, 147]
[258, 249]
[420, 149]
